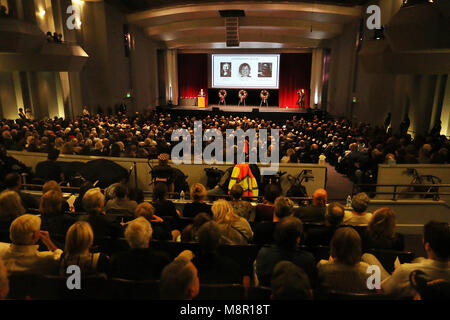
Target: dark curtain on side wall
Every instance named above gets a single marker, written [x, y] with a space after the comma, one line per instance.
[192, 74]
[295, 74]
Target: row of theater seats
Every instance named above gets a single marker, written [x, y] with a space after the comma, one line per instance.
[99, 287]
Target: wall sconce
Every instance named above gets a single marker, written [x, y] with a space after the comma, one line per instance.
[41, 13]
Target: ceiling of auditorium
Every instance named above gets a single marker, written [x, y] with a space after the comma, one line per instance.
[267, 24]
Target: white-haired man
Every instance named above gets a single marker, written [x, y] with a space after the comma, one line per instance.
[22, 254]
[140, 262]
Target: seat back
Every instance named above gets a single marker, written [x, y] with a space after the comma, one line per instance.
[333, 295]
[174, 248]
[23, 286]
[221, 292]
[388, 257]
[244, 255]
[124, 289]
[56, 288]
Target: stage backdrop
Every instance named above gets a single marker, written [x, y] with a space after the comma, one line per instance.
[192, 75]
[295, 74]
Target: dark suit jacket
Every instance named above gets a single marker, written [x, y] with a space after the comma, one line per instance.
[138, 264]
[311, 214]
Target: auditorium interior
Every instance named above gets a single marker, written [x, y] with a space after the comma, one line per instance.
[224, 150]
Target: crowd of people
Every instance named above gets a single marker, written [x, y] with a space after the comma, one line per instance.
[56, 236]
[354, 149]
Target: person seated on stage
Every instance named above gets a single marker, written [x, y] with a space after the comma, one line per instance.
[121, 204]
[358, 215]
[198, 205]
[264, 211]
[22, 254]
[50, 169]
[315, 212]
[140, 262]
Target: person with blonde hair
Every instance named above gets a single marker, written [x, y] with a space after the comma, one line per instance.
[10, 206]
[381, 232]
[198, 196]
[22, 254]
[233, 228]
[79, 240]
[53, 185]
[141, 262]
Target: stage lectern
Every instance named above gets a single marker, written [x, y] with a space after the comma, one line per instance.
[201, 101]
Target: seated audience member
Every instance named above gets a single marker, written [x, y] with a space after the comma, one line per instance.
[264, 211]
[212, 267]
[190, 232]
[381, 232]
[102, 225]
[358, 215]
[234, 230]
[110, 192]
[121, 204]
[315, 212]
[79, 240]
[161, 230]
[163, 207]
[179, 280]
[264, 230]
[428, 289]
[287, 239]
[50, 169]
[78, 203]
[289, 282]
[344, 271]
[22, 254]
[13, 182]
[53, 185]
[10, 208]
[4, 281]
[436, 238]
[241, 208]
[53, 219]
[140, 262]
[321, 235]
[198, 197]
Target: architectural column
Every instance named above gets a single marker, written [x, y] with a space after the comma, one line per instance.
[315, 99]
[445, 114]
[172, 76]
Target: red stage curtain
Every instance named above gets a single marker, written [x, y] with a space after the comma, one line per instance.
[295, 74]
[192, 74]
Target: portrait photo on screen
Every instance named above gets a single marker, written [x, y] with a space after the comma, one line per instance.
[245, 71]
[225, 69]
[265, 70]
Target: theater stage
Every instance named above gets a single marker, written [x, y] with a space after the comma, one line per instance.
[242, 109]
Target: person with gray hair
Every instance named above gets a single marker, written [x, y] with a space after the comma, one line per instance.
[22, 254]
[179, 280]
[321, 235]
[289, 282]
[102, 225]
[140, 262]
[358, 215]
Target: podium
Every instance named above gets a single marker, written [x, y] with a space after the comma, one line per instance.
[201, 102]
